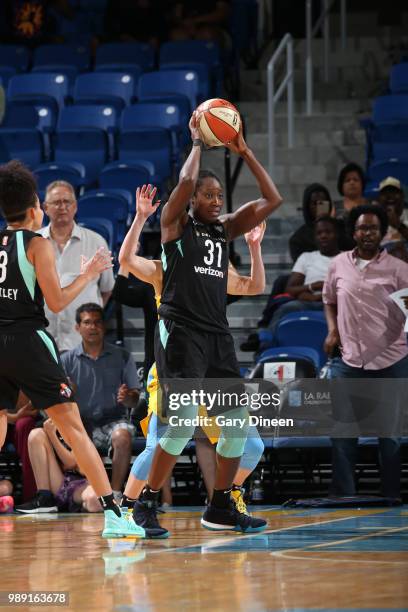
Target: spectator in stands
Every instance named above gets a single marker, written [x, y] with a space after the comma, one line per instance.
[71, 244]
[132, 292]
[368, 328]
[60, 486]
[107, 384]
[19, 426]
[350, 185]
[305, 284]
[391, 198]
[316, 203]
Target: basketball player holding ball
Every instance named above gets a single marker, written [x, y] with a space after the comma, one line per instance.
[193, 340]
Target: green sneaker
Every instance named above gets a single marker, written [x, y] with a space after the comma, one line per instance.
[121, 527]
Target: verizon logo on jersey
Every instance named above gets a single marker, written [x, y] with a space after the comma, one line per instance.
[209, 271]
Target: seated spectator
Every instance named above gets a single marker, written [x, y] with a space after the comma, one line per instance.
[350, 185]
[6, 501]
[391, 198]
[60, 486]
[316, 202]
[135, 293]
[106, 384]
[19, 426]
[305, 284]
[71, 244]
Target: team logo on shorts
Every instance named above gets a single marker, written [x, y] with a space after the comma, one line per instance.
[65, 391]
[4, 241]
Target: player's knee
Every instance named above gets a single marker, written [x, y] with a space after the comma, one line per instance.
[253, 451]
[37, 436]
[230, 447]
[174, 446]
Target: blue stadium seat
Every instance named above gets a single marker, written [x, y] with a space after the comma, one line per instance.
[48, 89]
[390, 132]
[23, 114]
[76, 55]
[73, 173]
[70, 72]
[152, 115]
[303, 330]
[24, 144]
[84, 116]
[205, 90]
[99, 204]
[6, 72]
[127, 176]
[103, 227]
[126, 196]
[16, 56]
[122, 53]
[384, 151]
[390, 108]
[89, 146]
[169, 82]
[182, 103]
[399, 78]
[153, 144]
[110, 88]
[291, 351]
[200, 51]
[380, 170]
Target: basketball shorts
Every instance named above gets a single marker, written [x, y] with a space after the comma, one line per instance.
[30, 362]
[187, 353]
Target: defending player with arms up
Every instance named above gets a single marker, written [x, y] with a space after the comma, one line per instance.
[29, 358]
[192, 338]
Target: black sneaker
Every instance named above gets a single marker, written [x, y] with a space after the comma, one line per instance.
[41, 503]
[230, 519]
[145, 515]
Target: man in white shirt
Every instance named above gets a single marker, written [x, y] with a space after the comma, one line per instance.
[71, 242]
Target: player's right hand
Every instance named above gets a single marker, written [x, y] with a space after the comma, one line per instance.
[193, 125]
[144, 200]
[101, 261]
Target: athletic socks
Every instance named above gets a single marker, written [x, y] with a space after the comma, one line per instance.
[108, 503]
[127, 502]
[221, 498]
[149, 494]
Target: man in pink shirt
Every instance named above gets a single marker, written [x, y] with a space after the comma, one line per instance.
[368, 328]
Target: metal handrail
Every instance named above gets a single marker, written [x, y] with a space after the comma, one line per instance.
[323, 19]
[286, 45]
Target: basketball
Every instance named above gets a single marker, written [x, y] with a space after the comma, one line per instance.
[219, 122]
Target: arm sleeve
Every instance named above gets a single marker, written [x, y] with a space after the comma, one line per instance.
[329, 288]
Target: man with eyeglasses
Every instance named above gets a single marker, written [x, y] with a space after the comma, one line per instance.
[368, 328]
[71, 243]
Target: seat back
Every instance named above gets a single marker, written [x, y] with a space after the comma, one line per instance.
[170, 82]
[102, 87]
[137, 53]
[303, 330]
[77, 55]
[39, 84]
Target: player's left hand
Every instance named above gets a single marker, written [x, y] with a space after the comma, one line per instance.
[238, 144]
[256, 234]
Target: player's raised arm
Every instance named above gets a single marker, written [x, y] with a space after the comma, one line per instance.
[175, 209]
[254, 284]
[253, 213]
[146, 270]
[40, 253]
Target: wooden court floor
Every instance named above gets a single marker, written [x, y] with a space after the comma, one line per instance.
[312, 560]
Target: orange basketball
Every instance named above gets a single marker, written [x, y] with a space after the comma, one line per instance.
[219, 122]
